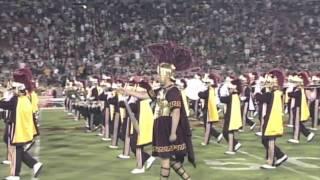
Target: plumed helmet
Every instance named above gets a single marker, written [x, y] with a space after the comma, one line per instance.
[23, 76]
[305, 78]
[238, 84]
[278, 76]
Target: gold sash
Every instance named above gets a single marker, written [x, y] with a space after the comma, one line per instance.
[24, 127]
[305, 113]
[235, 116]
[275, 122]
[213, 115]
[145, 123]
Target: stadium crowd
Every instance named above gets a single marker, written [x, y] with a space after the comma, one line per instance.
[62, 38]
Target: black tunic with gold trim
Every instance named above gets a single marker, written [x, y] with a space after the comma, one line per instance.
[168, 99]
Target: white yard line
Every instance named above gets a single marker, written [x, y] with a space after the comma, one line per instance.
[259, 158]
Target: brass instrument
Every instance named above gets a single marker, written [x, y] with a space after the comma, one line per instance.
[312, 86]
[264, 85]
[2, 90]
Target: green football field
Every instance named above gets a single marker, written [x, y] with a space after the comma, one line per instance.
[70, 154]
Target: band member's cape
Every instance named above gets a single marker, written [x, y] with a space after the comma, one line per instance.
[273, 124]
[305, 113]
[210, 97]
[304, 107]
[21, 121]
[301, 102]
[185, 102]
[145, 123]
[233, 114]
[24, 127]
[233, 118]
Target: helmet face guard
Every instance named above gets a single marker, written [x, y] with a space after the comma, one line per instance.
[166, 71]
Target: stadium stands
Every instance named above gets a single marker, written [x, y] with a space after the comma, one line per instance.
[61, 38]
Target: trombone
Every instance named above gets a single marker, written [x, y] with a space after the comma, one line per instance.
[312, 86]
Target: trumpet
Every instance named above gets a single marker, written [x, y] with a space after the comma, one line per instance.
[312, 86]
[265, 85]
[2, 90]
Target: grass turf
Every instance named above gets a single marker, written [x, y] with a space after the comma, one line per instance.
[70, 154]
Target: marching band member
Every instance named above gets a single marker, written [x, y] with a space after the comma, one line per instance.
[66, 88]
[81, 103]
[142, 136]
[21, 126]
[104, 96]
[290, 101]
[35, 109]
[7, 95]
[223, 91]
[94, 90]
[232, 118]
[211, 114]
[116, 117]
[196, 85]
[112, 102]
[253, 109]
[260, 90]
[182, 85]
[125, 123]
[301, 109]
[272, 125]
[247, 102]
[315, 99]
[130, 136]
[92, 97]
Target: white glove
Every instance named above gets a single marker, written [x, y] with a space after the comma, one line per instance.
[242, 98]
[123, 98]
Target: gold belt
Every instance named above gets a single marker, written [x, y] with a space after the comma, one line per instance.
[163, 112]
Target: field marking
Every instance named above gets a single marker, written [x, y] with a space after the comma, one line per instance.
[296, 161]
[245, 166]
[259, 158]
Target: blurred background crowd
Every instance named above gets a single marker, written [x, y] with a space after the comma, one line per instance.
[64, 38]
